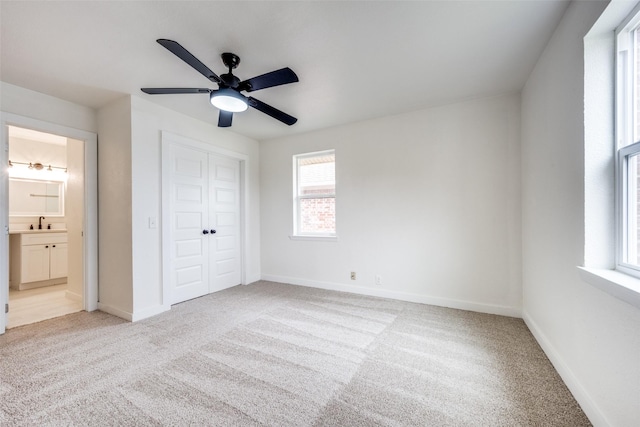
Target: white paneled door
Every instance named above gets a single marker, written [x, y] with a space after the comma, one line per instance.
[204, 215]
[225, 238]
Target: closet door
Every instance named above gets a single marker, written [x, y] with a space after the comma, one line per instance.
[189, 223]
[204, 222]
[225, 223]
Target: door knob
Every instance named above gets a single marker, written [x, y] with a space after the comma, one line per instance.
[213, 231]
[205, 231]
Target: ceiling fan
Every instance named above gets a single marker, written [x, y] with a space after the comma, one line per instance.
[227, 98]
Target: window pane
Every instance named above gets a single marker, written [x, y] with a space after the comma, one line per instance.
[317, 175]
[636, 87]
[318, 215]
[633, 232]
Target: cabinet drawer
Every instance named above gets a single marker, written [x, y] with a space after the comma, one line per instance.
[43, 239]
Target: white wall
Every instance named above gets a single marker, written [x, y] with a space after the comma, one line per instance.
[592, 338]
[428, 200]
[130, 194]
[115, 208]
[28, 151]
[28, 103]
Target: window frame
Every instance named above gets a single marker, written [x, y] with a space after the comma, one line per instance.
[297, 213]
[627, 145]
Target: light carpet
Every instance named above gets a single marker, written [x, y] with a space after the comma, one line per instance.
[281, 355]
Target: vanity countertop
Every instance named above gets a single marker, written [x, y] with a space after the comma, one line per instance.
[53, 230]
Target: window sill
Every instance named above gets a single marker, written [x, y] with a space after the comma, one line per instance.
[315, 238]
[615, 283]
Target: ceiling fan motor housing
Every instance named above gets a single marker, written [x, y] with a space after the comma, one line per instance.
[230, 80]
[231, 60]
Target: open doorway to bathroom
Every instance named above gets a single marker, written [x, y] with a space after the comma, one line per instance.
[46, 213]
[80, 217]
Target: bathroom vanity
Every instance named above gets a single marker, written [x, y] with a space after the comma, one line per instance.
[38, 258]
[37, 250]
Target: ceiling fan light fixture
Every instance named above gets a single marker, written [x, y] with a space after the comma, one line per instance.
[228, 100]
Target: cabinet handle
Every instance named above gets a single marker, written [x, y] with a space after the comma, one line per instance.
[213, 231]
[46, 247]
[53, 246]
[205, 231]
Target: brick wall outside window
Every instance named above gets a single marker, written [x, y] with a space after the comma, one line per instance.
[318, 215]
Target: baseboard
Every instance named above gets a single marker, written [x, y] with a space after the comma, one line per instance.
[135, 316]
[73, 296]
[115, 311]
[149, 312]
[402, 296]
[251, 279]
[41, 284]
[581, 395]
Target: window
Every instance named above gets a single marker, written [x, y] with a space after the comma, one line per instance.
[314, 182]
[628, 145]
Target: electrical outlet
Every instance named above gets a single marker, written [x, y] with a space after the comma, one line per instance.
[353, 275]
[378, 280]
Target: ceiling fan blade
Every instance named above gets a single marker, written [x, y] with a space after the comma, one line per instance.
[173, 90]
[187, 57]
[274, 78]
[273, 112]
[225, 118]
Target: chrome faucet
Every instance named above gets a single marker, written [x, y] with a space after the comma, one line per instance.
[40, 223]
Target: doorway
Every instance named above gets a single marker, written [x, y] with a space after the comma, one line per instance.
[46, 177]
[50, 242]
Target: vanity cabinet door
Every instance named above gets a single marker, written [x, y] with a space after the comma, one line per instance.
[35, 263]
[58, 260]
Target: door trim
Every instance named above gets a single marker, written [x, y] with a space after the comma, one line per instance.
[90, 249]
[169, 139]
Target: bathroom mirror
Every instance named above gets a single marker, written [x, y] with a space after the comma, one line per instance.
[35, 198]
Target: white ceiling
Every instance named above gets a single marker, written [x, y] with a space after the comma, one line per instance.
[355, 60]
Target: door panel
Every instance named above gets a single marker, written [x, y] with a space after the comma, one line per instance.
[189, 193]
[225, 204]
[224, 195]
[189, 248]
[188, 221]
[225, 243]
[189, 276]
[188, 210]
[225, 171]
